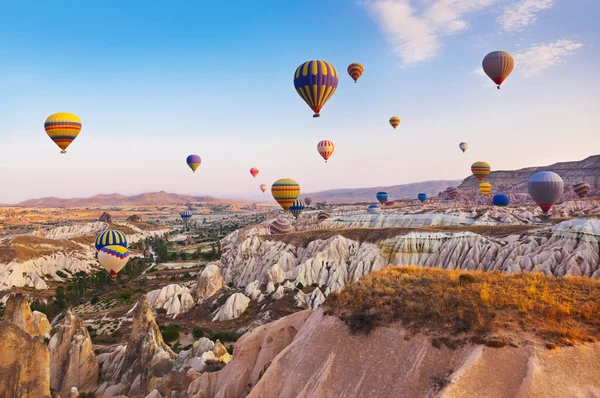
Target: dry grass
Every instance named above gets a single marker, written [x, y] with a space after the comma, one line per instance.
[485, 307]
[23, 248]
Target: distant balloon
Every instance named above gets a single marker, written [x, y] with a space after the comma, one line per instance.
[452, 192]
[500, 200]
[395, 121]
[498, 65]
[480, 170]
[254, 172]
[447, 199]
[110, 237]
[325, 149]
[545, 188]
[263, 187]
[113, 259]
[355, 70]
[185, 215]
[194, 162]
[422, 197]
[323, 216]
[285, 191]
[581, 189]
[373, 209]
[308, 201]
[388, 204]
[485, 188]
[280, 226]
[297, 208]
[315, 82]
[463, 146]
[382, 197]
[62, 128]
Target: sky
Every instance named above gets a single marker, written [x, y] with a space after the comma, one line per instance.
[156, 81]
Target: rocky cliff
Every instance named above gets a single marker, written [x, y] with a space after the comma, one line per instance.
[19, 313]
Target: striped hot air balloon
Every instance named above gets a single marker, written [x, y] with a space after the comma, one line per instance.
[500, 200]
[498, 65]
[113, 259]
[110, 237]
[452, 192]
[315, 82]
[62, 128]
[193, 161]
[254, 171]
[391, 203]
[382, 197]
[463, 146]
[373, 209]
[485, 188]
[545, 187]
[308, 201]
[480, 170]
[297, 208]
[263, 187]
[395, 121]
[285, 191]
[280, 226]
[323, 215]
[185, 215]
[355, 70]
[422, 197]
[325, 149]
[581, 189]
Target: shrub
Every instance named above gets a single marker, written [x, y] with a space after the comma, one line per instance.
[170, 333]
[94, 300]
[61, 274]
[226, 335]
[214, 365]
[300, 286]
[230, 284]
[463, 279]
[362, 323]
[198, 333]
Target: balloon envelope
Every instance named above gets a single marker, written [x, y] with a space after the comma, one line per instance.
[194, 162]
[263, 187]
[452, 192]
[62, 128]
[355, 70]
[323, 216]
[280, 226]
[285, 191]
[581, 189]
[315, 82]
[545, 187]
[422, 197]
[463, 146]
[498, 65]
[485, 188]
[325, 149]
[113, 259]
[254, 171]
[382, 197]
[110, 237]
[390, 203]
[395, 121]
[185, 215]
[297, 208]
[373, 209]
[500, 200]
[308, 201]
[480, 170]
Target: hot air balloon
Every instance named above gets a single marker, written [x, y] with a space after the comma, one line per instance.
[308, 201]
[395, 121]
[325, 149]
[500, 200]
[463, 146]
[447, 199]
[254, 172]
[355, 70]
[382, 197]
[113, 258]
[110, 237]
[263, 187]
[388, 204]
[194, 162]
[373, 209]
[452, 192]
[581, 189]
[297, 208]
[480, 170]
[545, 187]
[322, 216]
[422, 197]
[62, 128]
[185, 215]
[315, 82]
[498, 65]
[280, 226]
[485, 188]
[285, 191]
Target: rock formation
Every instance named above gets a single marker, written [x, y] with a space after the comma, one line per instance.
[202, 351]
[105, 217]
[134, 218]
[174, 298]
[19, 314]
[24, 364]
[235, 305]
[73, 362]
[209, 282]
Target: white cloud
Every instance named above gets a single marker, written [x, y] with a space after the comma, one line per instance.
[542, 56]
[522, 13]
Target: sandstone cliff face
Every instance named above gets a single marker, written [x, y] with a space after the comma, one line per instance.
[24, 364]
[73, 362]
[19, 314]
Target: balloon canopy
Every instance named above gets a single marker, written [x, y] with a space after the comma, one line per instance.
[325, 149]
[315, 82]
[280, 226]
[113, 259]
[355, 70]
[422, 197]
[285, 191]
[297, 208]
[581, 189]
[193, 161]
[498, 65]
[545, 187]
[110, 237]
[500, 200]
[62, 128]
[382, 197]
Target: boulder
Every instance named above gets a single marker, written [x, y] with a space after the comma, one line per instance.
[235, 305]
[134, 218]
[105, 217]
[209, 282]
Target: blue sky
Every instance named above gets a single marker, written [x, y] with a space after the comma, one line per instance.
[155, 81]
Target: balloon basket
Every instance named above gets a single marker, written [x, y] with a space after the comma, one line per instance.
[63, 152]
[316, 115]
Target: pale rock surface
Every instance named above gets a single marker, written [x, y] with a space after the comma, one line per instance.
[210, 282]
[270, 287]
[311, 300]
[19, 313]
[72, 358]
[279, 293]
[235, 305]
[175, 299]
[253, 290]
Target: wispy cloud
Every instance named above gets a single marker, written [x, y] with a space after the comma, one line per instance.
[522, 13]
[542, 56]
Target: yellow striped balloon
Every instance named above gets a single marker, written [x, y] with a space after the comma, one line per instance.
[395, 121]
[315, 82]
[355, 70]
[62, 128]
[480, 170]
[285, 191]
[485, 188]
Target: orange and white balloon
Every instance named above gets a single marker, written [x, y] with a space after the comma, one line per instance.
[263, 187]
[325, 149]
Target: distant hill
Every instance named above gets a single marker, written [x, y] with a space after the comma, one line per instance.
[405, 191]
[116, 199]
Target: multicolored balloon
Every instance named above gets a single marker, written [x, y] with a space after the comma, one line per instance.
[308, 201]
[422, 197]
[463, 146]
[498, 65]
[285, 191]
[581, 189]
[325, 149]
[395, 121]
[315, 82]
[382, 197]
[500, 200]
[110, 237]
[113, 259]
[355, 70]
[254, 171]
[263, 187]
[480, 170]
[545, 187]
[297, 208]
[322, 216]
[280, 226]
[373, 209]
[388, 204]
[194, 162]
[62, 128]
[452, 192]
[185, 215]
[485, 188]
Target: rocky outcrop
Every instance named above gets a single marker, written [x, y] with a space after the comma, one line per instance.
[19, 314]
[202, 351]
[105, 217]
[134, 218]
[209, 282]
[73, 362]
[175, 299]
[235, 306]
[24, 364]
